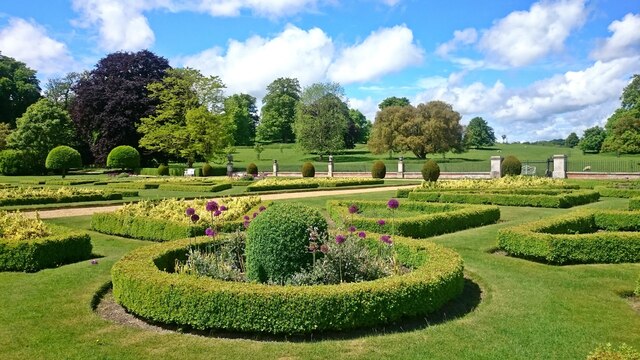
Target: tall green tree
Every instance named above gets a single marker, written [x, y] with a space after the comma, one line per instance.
[478, 134]
[572, 140]
[435, 129]
[394, 101]
[5, 131]
[623, 132]
[322, 119]
[19, 88]
[60, 90]
[592, 139]
[41, 128]
[359, 129]
[630, 98]
[279, 111]
[241, 109]
[385, 132]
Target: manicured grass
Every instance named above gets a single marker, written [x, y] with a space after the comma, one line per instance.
[528, 310]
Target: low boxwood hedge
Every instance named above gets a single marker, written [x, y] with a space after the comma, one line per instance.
[69, 182]
[144, 285]
[436, 219]
[634, 204]
[26, 200]
[142, 228]
[619, 192]
[257, 187]
[526, 197]
[195, 188]
[133, 185]
[64, 247]
[580, 237]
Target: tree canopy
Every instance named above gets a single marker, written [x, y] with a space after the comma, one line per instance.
[279, 111]
[592, 139]
[478, 134]
[242, 111]
[630, 97]
[572, 140]
[623, 132]
[19, 88]
[112, 99]
[385, 132]
[358, 129]
[394, 101]
[60, 90]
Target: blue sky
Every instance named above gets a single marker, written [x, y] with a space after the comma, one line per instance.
[532, 69]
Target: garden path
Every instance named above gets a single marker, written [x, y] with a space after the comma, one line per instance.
[57, 213]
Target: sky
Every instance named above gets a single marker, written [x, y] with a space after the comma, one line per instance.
[533, 70]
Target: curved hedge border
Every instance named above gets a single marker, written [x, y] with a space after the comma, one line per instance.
[575, 238]
[195, 188]
[204, 303]
[65, 199]
[618, 192]
[64, 247]
[528, 197]
[437, 218]
[634, 204]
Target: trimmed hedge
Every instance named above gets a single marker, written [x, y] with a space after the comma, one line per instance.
[69, 182]
[258, 187]
[308, 170]
[525, 197]
[123, 157]
[617, 192]
[142, 228]
[577, 238]
[378, 170]
[148, 171]
[195, 188]
[352, 182]
[66, 199]
[403, 193]
[133, 185]
[144, 289]
[634, 204]
[66, 246]
[436, 219]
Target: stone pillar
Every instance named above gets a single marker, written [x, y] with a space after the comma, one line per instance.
[275, 167]
[401, 167]
[229, 165]
[330, 166]
[559, 166]
[496, 167]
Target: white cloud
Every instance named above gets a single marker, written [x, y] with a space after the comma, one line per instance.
[367, 106]
[384, 51]
[523, 37]
[267, 8]
[391, 2]
[625, 40]
[28, 42]
[460, 37]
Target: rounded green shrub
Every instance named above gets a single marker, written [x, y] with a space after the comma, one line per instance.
[511, 166]
[430, 170]
[123, 157]
[278, 239]
[252, 169]
[207, 169]
[308, 170]
[12, 162]
[63, 158]
[163, 170]
[378, 170]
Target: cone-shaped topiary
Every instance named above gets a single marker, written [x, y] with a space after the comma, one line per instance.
[511, 166]
[163, 170]
[278, 241]
[430, 170]
[308, 170]
[123, 157]
[378, 170]
[207, 169]
[252, 169]
[63, 158]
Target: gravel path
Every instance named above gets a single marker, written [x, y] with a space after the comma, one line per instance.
[49, 214]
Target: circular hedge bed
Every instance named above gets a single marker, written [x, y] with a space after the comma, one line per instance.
[143, 282]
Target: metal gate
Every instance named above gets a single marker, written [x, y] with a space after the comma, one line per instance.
[542, 168]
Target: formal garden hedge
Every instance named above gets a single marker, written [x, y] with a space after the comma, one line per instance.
[63, 246]
[166, 220]
[619, 192]
[309, 183]
[144, 284]
[548, 198]
[141, 185]
[33, 196]
[413, 219]
[579, 237]
[195, 188]
[634, 204]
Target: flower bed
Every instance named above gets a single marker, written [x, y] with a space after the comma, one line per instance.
[30, 196]
[550, 198]
[308, 183]
[634, 204]
[414, 219]
[29, 245]
[165, 220]
[580, 237]
[144, 285]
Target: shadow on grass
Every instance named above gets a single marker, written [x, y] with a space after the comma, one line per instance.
[470, 298]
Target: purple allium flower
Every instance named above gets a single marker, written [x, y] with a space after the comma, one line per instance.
[381, 222]
[210, 232]
[352, 229]
[195, 217]
[353, 208]
[254, 215]
[212, 206]
[362, 234]
[340, 239]
[262, 208]
[223, 208]
[386, 239]
[217, 213]
[393, 204]
[324, 248]
[94, 262]
[190, 211]
[246, 218]
[313, 247]
[246, 224]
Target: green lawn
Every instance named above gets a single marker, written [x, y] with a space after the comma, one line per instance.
[528, 310]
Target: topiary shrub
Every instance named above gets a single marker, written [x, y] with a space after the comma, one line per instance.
[207, 169]
[163, 170]
[511, 166]
[308, 170]
[378, 170]
[430, 171]
[123, 157]
[278, 239]
[63, 158]
[252, 169]
[12, 162]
